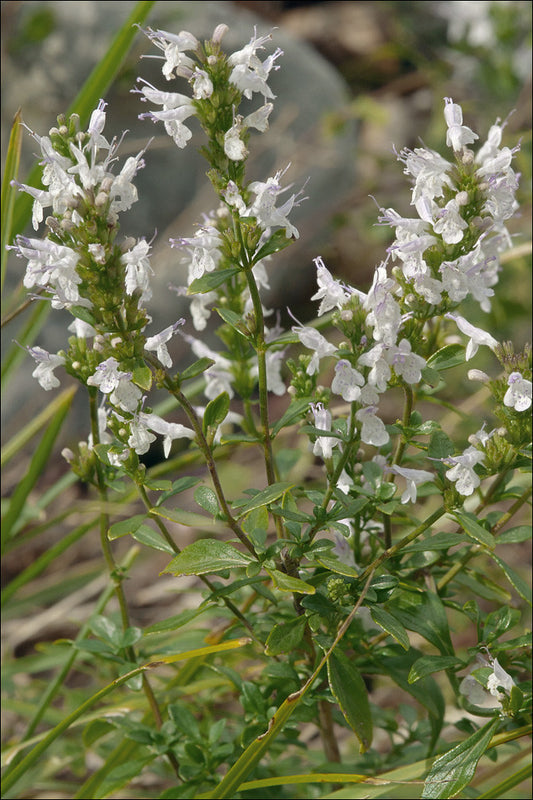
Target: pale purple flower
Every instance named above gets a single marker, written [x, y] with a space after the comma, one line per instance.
[169, 430]
[249, 73]
[405, 363]
[380, 372]
[347, 381]
[385, 313]
[264, 205]
[138, 270]
[234, 147]
[477, 335]
[518, 395]
[462, 472]
[314, 340]
[331, 293]
[159, 343]
[373, 429]
[174, 47]
[46, 364]
[204, 249]
[322, 420]
[413, 477]
[458, 135]
[449, 223]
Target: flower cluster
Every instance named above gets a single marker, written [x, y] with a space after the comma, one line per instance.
[79, 266]
[445, 254]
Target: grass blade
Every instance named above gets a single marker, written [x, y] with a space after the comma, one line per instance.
[9, 194]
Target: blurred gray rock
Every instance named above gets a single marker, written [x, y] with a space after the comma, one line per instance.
[43, 77]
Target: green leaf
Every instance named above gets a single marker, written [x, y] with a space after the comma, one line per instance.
[331, 562]
[265, 497]
[142, 376]
[390, 624]
[207, 499]
[9, 193]
[234, 320]
[286, 583]
[205, 556]
[522, 533]
[277, 242]
[285, 636]
[187, 482]
[427, 665]
[187, 518]
[472, 528]
[126, 526]
[423, 613]
[453, 771]
[196, 368]
[350, 692]
[216, 411]
[83, 313]
[480, 585]
[451, 355]
[517, 582]
[441, 541]
[211, 280]
[154, 539]
[425, 691]
[295, 412]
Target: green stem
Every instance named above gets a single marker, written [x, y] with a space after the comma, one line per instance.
[392, 551]
[458, 566]
[117, 576]
[208, 455]
[168, 538]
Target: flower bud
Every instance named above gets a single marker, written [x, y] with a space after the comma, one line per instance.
[478, 375]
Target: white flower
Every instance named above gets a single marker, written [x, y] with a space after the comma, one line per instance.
[259, 119]
[385, 313]
[380, 372]
[81, 329]
[405, 363]
[202, 85]
[458, 135]
[264, 205]
[330, 292]
[314, 340]
[373, 429]
[518, 395]
[490, 697]
[347, 381]
[176, 108]
[414, 477]
[200, 312]
[204, 249]
[449, 223]
[169, 430]
[46, 364]
[249, 74]
[138, 270]
[159, 343]
[462, 473]
[477, 335]
[51, 266]
[324, 444]
[113, 381]
[234, 147]
[174, 46]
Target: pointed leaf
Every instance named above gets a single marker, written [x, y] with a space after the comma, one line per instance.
[516, 581]
[286, 583]
[451, 355]
[453, 771]
[211, 280]
[205, 556]
[472, 528]
[285, 636]
[351, 694]
[9, 193]
[195, 369]
[391, 625]
[427, 665]
[265, 497]
[207, 499]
